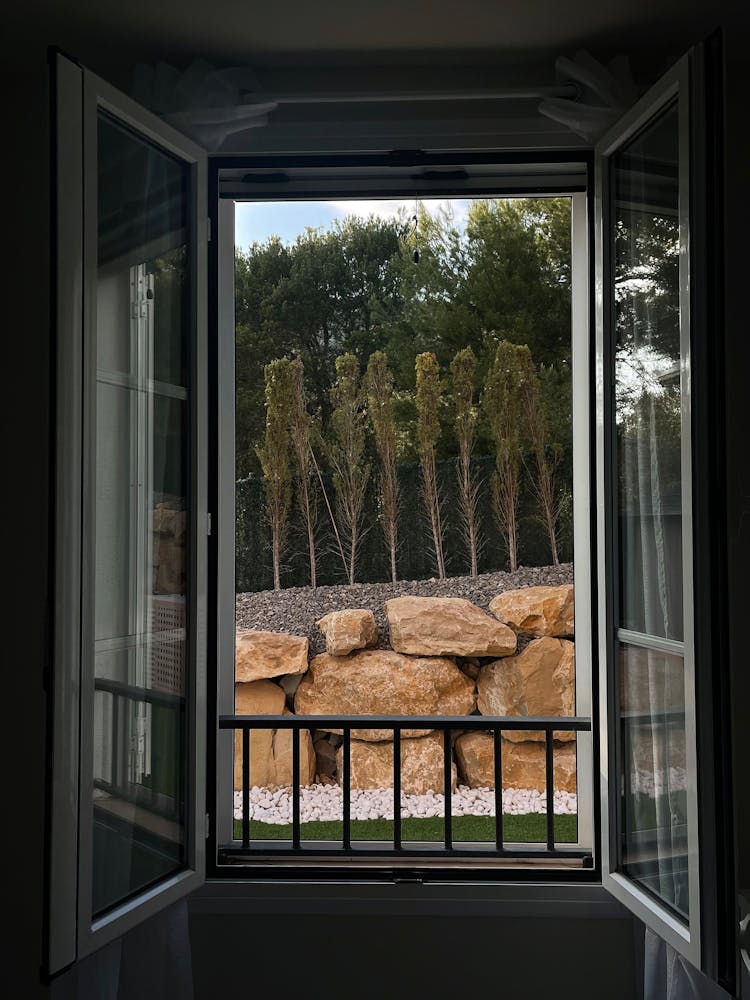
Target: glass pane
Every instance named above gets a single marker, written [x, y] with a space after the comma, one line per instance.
[647, 380]
[653, 773]
[141, 558]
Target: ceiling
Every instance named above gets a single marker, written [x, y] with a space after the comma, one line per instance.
[374, 32]
[373, 47]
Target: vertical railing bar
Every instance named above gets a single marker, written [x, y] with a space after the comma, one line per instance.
[346, 833]
[295, 789]
[397, 788]
[245, 787]
[447, 782]
[550, 778]
[498, 772]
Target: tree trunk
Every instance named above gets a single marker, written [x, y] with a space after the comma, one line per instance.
[276, 557]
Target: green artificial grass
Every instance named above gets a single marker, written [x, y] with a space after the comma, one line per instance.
[530, 828]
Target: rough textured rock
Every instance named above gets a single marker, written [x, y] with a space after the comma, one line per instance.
[446, 626]
[290, 683]
[270, 749]
[523, 764]
[344, 631]
[325, 756]
[268, 654]
[381, 682]
[169, 527]
[298, 609]
[421, 764]
[537, 611]
[538, 681]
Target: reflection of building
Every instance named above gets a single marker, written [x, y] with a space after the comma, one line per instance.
[166, 663]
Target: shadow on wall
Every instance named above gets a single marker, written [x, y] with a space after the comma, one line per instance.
[322, 955]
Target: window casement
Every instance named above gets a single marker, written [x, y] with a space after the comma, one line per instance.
[294, 179]
[144, 575]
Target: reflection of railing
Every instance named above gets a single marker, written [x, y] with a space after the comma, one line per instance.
[397, 723]
[119, 786]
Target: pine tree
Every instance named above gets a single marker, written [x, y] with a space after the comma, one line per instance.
[463, 371]
[346, 454]
[273, 455]
[503, 406]
[300, 425]
[379, 383]
[428, 434]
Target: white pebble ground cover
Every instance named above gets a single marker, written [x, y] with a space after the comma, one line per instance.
[324, 802]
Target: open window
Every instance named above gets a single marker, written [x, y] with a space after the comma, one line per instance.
[655, 347]
[293, 185]
[130, 721]
[129, 738]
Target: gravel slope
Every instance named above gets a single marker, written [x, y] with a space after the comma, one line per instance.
[297, 609]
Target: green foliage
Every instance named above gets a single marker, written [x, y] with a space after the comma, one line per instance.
[356, 289]
[429, 391]
[341, 299]
[428, 396]
[379, 387]
[463, 380]
[273, 455]
[300, 425]
[502, 402]
[346, 453]
[463, 372]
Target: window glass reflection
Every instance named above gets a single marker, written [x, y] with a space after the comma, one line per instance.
[647, 382]
[141, 513]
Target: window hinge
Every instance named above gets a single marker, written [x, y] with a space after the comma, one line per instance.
[208, 824]
[208, 524]
[209, 235]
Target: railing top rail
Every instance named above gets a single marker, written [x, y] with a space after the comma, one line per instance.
[557, 723]
[134, 693]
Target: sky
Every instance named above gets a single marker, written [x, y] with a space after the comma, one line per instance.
[256, 221]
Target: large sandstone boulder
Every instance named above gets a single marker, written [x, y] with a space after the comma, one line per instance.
[537, 611]
[523, 764]
[169, 527]
[421, 765]
[347, 630]
[381, 682]
[270, 749]
[268, 654]
[446, 626]
[538, 681]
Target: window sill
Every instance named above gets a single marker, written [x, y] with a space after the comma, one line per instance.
[406, 898]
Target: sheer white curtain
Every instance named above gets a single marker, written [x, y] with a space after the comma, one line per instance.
[669, 976]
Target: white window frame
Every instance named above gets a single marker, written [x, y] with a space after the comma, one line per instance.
[73, 931]
[582, 435]
[684, 936]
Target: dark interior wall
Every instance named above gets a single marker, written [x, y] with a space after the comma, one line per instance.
[500, 950]
[26, 402]
[368, 957]
[737, 261]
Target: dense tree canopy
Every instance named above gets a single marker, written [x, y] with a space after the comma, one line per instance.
[504, 276]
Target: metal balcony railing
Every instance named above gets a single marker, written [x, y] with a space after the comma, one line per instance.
[295, 847]
[118, 781]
